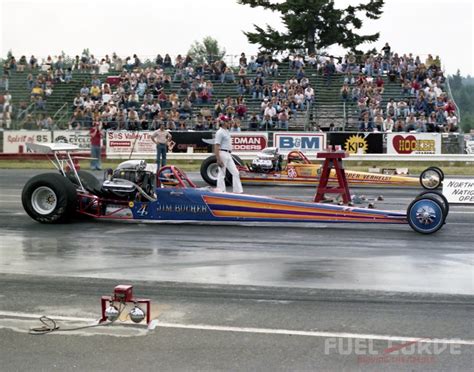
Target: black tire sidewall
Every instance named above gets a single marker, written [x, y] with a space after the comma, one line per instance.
[65, 193]
[204, 166]
[88, 180]
[438, 194]
[439, 170]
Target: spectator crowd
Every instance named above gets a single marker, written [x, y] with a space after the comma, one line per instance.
[181, 94]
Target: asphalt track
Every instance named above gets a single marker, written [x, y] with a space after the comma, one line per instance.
[237, 297]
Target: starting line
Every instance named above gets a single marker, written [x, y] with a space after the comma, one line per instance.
[269, 331]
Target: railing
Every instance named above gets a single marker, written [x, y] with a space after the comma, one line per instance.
[61, 114]
[18, 124]
[307, 118]
[344, 115]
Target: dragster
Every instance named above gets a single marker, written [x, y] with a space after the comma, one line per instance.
[134, 192]
[269, 168]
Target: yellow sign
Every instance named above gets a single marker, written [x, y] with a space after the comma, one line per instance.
[356, 144]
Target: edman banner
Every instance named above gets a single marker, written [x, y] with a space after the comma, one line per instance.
[14, 141]
[413, 143]
[80, 138]
[357, 143]
[305, 142]
[242, 142]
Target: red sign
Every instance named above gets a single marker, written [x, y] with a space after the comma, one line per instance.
[249, 142]
[418, 143]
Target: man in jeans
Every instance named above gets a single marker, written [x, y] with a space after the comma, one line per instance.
[161, 137]
[96, 142]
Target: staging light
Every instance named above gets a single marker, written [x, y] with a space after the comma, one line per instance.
[112, 312]
[137, 314]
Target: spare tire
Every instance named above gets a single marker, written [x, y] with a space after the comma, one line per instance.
[49, 198]
[210, 169]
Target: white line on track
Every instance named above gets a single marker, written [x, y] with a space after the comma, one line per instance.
[269, 331]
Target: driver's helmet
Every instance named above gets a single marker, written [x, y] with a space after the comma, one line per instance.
[294, 156]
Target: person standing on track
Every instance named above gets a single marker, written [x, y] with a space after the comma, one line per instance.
[161, 138]
[223, 149]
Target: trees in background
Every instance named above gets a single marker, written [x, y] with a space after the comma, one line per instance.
[463, 94]
[206, 51]
[314, 24]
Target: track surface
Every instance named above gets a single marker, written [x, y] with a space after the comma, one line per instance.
[362, 279]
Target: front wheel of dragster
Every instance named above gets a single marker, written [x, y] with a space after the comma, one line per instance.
[49, 198]
[438, 196]
[431, 178]
[425, 215]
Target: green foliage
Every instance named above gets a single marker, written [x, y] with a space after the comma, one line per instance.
[206, 51]
[313, 24]
[467, 122]
[463, 94]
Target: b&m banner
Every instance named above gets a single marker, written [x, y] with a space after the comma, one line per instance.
[80, 138]
[413, 143]
[305, 141]
[357, 143]
[248, 142]
[14, 141]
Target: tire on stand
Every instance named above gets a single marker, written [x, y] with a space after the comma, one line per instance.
[49, 198]
[209, 170]
[425, 215]
[431, 178]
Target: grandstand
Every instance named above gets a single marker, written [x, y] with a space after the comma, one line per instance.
[327, 111]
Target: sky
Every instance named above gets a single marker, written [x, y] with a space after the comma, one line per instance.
[149, 27]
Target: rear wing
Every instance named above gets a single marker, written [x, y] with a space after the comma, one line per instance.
[62, 157]
[51, 148]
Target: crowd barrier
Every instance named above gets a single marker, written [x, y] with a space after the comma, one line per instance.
[198, 144]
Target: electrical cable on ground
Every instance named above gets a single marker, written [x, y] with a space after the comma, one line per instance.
[50, 325]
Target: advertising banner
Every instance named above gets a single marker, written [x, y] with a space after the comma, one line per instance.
[185, 141]
[14, 141]
[357, 143]
[413, 143]
[122, 142]
[242, 142]
[459, 190]
[305, 142]
[80, 138]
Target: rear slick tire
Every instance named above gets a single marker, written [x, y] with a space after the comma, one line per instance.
[49, 198]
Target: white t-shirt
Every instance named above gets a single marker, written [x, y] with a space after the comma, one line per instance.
[104, 68]
[223, 139]
[270, 111]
